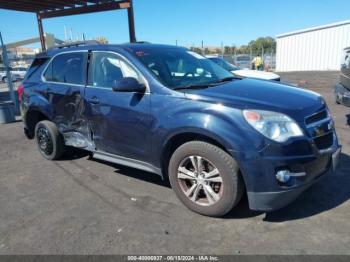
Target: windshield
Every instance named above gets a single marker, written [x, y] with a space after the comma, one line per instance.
[223, 63]
[176, 68]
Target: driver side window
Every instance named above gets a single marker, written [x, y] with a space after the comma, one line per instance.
[107, 68]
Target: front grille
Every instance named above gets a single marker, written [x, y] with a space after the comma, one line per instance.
[316, 117]
[320, 128]
[324, 142]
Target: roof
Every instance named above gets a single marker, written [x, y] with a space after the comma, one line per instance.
[56, 8]
[314, 28]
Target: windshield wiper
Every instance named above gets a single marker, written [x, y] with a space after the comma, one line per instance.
[202, 86]
[191, 87]
[226, 79]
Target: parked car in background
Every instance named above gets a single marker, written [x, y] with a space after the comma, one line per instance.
[170, 111]
[245, 72]
[342, 89]
[20, 71]
[242, 61]
[17, 73]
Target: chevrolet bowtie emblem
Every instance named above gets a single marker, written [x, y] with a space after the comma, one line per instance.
[319, 131]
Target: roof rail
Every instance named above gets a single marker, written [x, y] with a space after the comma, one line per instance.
[142, 42]
[75, 44]
[137, 42]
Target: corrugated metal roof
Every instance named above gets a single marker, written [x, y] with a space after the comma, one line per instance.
[314, 28]
[55, 8]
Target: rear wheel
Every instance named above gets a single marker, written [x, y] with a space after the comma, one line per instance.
[50, 141]
[205, 178]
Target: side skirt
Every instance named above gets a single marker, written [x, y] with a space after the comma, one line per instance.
[127, 162]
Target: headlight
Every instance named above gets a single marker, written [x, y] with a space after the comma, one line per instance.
[273, 125]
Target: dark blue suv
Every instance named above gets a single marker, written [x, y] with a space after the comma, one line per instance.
[170, 111]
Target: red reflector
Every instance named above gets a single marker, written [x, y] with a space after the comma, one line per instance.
[20, 90]
[251, 116]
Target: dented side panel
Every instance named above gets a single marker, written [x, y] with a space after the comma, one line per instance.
[69, 114]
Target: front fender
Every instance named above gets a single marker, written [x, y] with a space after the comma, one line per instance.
[221, 123]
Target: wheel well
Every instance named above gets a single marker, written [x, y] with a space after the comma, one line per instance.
[32, 118]
[179, 140]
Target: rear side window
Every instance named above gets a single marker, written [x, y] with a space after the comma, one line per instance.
[67, 68]
[36, 64]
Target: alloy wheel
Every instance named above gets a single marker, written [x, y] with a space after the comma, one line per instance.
[200, 180]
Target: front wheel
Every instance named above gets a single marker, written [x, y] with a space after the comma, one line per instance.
[205, 178]
[50, 141]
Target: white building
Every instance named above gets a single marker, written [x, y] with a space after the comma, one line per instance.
[317, 48]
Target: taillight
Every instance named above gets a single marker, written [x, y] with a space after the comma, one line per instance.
[20, 90]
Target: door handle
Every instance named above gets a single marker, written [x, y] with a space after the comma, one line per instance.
[93, 100]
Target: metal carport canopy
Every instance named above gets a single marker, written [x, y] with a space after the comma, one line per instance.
[56, 8]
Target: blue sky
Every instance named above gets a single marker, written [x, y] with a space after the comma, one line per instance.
[187, 21]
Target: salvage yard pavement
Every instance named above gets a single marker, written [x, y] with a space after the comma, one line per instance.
[79, 205]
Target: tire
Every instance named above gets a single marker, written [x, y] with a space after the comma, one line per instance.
[49, 140]
[228, 192]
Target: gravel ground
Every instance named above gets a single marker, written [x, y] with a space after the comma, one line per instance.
[82, 206]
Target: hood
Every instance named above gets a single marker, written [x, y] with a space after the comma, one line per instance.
[265, 95]
[256, 74]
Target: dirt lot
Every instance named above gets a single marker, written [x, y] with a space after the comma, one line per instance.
[82, 206]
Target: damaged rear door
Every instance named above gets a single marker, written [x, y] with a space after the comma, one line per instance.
[65, 79]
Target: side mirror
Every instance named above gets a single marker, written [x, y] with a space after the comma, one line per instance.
[128, 84]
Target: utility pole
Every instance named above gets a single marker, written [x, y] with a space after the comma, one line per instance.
[8, 74]
[222, 49]
[71, 35]
[65, 34]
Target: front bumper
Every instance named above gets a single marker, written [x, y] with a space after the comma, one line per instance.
[266, 193]
[270, 201]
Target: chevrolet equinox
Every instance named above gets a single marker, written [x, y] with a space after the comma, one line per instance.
[173, 112]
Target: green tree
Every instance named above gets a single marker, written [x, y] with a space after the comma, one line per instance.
[227, 50]
[196, 49]
[243, 49]
[233, 49]
[268, 44]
